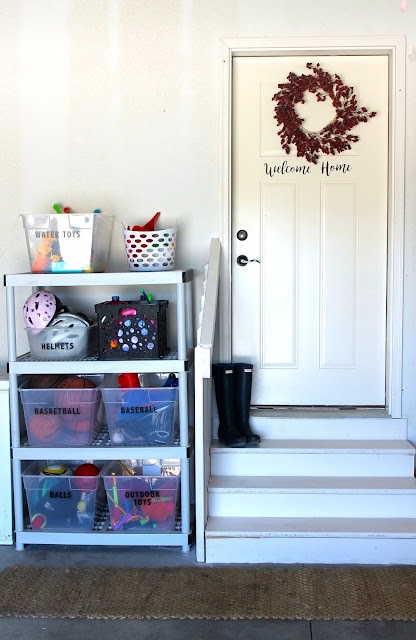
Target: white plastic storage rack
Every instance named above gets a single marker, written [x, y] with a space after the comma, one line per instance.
[179, 361]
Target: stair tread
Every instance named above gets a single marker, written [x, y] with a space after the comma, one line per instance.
[284, 445]
[312, 484]
[310, 527]
[321, 413]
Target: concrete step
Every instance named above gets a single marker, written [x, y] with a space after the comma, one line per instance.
[311, 540]
[318, 497]
[311, 457]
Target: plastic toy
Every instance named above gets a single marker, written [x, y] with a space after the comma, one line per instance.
[146, 297]
[56, 470]
[171, 381]
[47, 252]
[128, 381]
[149, 226]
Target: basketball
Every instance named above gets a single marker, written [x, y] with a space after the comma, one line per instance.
[76, 382]
[78, 395]
[44, 429]
[78, 431]
[44, 381]
[80, 426]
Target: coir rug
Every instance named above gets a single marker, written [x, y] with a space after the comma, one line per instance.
[227, 593]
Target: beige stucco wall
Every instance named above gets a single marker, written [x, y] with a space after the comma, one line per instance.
[116, 104]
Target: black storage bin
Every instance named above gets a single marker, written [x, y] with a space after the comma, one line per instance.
[132, 330]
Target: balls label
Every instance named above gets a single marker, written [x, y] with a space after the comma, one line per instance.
[60, 494]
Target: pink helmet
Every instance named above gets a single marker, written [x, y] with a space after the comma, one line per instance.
[40, 308]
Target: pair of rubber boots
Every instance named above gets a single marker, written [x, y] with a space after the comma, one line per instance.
[232, 384]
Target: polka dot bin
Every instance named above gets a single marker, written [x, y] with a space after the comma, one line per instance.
[132, 330]
[150, 250]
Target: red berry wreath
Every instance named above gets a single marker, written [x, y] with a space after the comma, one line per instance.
[334, 137]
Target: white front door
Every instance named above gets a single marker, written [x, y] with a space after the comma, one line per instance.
[310, 310]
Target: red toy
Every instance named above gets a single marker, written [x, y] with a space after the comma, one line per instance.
[86, 470]
[38, 521]
[149, 226]
[159, 509]
[128, 381]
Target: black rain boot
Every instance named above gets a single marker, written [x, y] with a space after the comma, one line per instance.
[243, 376]
[228, 433]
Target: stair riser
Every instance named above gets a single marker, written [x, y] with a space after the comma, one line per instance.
[290, 505]
[333, 428]
[285, 550]
[277, 463]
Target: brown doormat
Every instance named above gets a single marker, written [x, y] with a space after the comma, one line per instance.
[225, 593]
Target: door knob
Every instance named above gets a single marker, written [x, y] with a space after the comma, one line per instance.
[242, 260]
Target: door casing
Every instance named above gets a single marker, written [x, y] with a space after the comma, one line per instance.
[395, 48]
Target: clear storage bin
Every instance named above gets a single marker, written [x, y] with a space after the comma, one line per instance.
[60, 503]
[143, 416]
[142, 502]
[60, 417]
[68, 242]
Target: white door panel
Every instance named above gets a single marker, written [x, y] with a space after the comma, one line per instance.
[311, 315]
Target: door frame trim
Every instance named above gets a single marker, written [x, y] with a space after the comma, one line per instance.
[395, 48]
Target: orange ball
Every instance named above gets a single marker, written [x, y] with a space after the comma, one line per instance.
[76, 382]
[77, 398]
[77, 432]
[44, 429]
[80, 426]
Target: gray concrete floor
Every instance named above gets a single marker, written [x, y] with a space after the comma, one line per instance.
[45, 629]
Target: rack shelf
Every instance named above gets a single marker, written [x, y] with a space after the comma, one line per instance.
[170, 364]
[178, 361]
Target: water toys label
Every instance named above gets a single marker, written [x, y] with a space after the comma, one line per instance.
[71, 233]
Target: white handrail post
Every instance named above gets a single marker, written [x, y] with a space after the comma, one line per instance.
[203, 417]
